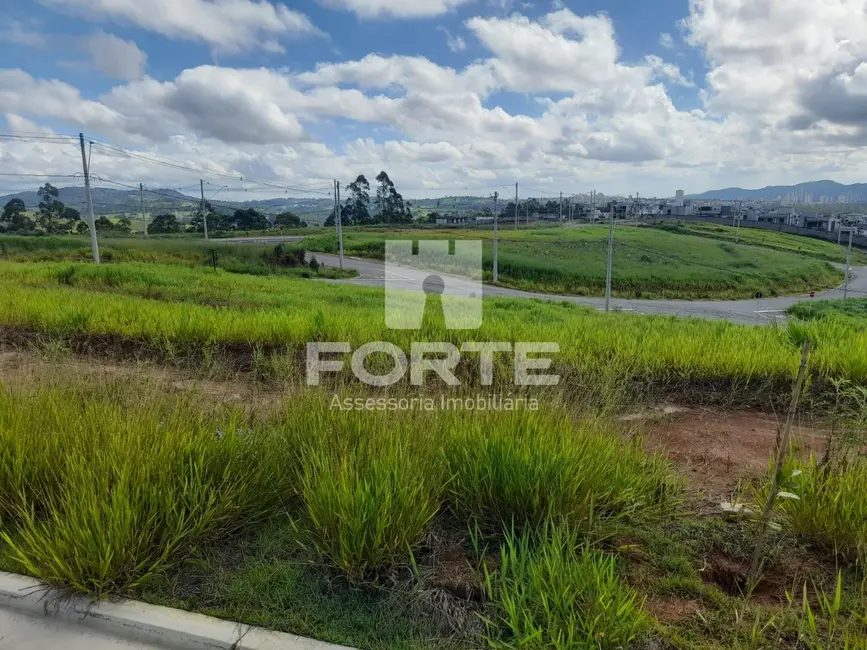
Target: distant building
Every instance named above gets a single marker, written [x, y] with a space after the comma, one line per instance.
[678, 199]
[453, 220]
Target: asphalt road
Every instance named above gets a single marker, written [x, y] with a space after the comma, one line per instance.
[764, 311]
[22, 632]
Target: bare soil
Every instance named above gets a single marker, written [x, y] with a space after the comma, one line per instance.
[714, 449]
[672, 609]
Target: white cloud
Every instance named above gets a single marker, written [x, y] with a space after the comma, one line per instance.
[773, 111]
[226, 25]
[395, 8]
[667, 70]
[455, 43]
[666, 40]
[115, 57]
[16, 34]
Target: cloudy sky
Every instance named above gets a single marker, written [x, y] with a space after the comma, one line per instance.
[448, 96]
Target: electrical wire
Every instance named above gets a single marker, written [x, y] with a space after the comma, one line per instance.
[214, 173]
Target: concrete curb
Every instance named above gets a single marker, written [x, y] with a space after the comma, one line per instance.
[132, 620]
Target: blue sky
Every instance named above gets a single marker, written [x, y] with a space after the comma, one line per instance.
[563, 95]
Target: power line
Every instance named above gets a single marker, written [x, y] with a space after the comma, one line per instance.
[40, 175]
[204, 172]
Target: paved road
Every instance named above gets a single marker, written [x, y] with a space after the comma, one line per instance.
[767, 310]
[262, 239]
[22, 632]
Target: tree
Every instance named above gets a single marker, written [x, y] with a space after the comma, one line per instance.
[164, 224]
[390, 206]
[249, 219]
[51, 210]
[197, 224]
[289, 220]
[14, 218]
[357, 208]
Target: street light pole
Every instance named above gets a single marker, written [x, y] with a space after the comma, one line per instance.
[848, 266]
[496, 238]
[610, 261]
[94, 244]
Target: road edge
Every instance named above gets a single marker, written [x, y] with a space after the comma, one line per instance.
[136, 621]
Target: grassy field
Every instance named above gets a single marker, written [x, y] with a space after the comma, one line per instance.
[816, 248]
[407, 530]
[158, 440]
[855, 308]
[254, 259]
[184, 313]
[648, 262]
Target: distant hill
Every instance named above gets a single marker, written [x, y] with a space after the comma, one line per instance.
[816, 189]
[109, 201]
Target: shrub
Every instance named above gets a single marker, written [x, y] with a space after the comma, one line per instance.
[551, 591]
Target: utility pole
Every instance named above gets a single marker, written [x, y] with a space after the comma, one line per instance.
[848, 266]
[496, 238]
[561, 206]
[338, 221]
[202, 208]
[141, 199]
[516, 206]
[94, 244]
[610, 261]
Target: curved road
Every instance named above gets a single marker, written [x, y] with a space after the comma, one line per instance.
[752, 312]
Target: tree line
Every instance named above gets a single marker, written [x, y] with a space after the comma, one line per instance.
[52, 217]
[388, 205]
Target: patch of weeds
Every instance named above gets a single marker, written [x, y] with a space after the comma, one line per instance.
[262, 578]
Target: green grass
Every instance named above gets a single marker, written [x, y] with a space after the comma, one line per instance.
[535, 468]
[855, 308]
[252, 259]
[187, 312]
[118, 488]
[551, 591]
[648, 262]
[816, 248]
[830, 510]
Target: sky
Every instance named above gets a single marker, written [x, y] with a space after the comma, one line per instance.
[449, 97]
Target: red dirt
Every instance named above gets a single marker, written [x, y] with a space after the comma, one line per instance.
[672, 610]
[714, 449]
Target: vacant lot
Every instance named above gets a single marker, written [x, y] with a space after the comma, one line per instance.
[648, 262]
[158, 440]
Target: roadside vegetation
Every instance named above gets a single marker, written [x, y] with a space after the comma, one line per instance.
[816, 248]
[853, 308]
[252, 259]
[188, 314]
[648, 263]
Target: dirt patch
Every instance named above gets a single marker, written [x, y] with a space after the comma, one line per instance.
[714, 448]
[732, 577]
[23, 368]
[455, 574]
[672, 610]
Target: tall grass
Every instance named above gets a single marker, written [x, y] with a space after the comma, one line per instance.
[553, 592]
[171, 309]
[531, 468]
[831, 508]
[125, 491]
